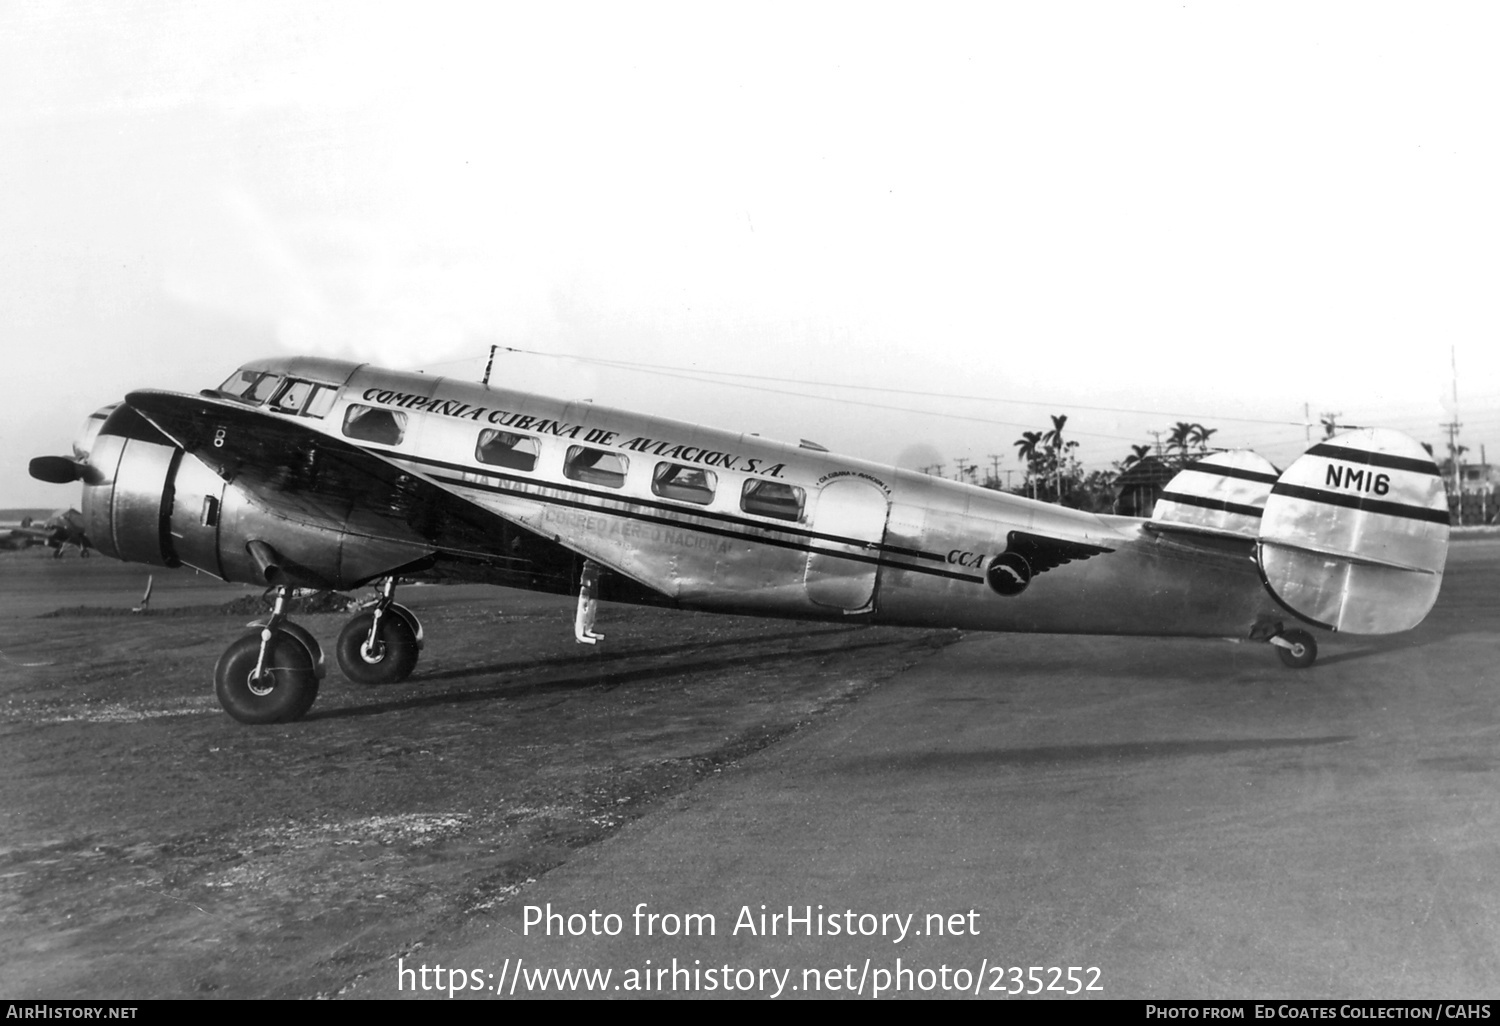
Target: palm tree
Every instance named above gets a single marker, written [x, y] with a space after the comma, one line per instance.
[1027, 452]
[1057, 449]
[1200, 436]
[1054, 438]
[1179, 439]
[1137, 453]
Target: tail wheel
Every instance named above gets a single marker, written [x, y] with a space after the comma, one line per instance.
[1301, 650]
[283, 691]
[389, 660]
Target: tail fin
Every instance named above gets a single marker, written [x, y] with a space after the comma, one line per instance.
[1223, 493]
[1354, 536]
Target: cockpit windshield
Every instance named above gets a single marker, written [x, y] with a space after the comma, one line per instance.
[253, 386]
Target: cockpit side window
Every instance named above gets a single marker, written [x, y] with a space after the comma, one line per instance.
[251, 385]
[321, 401]
[305, 398]
[240, 382]
[264, 388]
[291, 398]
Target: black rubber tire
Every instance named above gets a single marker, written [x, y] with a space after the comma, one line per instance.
[397, 656]
[290, 687]
[1302, 656]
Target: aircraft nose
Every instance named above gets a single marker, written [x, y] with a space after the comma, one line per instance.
[84, 443]
[66, 469]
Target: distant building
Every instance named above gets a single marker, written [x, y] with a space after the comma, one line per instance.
[1139, 487]
[1479, 492]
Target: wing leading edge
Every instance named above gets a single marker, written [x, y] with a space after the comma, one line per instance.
[300, 474]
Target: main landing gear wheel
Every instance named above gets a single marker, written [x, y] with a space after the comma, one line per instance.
[1297, 649]
[278, 688]
[386, 658]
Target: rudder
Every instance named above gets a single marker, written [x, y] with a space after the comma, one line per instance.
[1354, 536]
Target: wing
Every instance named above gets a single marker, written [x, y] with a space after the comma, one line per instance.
[31, 532]
[1043, 553]
[306, 476]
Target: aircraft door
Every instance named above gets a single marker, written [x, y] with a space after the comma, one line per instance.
[842, 573]
[197, 494]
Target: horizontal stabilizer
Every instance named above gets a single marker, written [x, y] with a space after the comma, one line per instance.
[1354, 536]
[1171, 529]
[1224, 493]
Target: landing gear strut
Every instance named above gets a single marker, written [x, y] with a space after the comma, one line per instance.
[588, 605]
[270, 675]
[380, 645]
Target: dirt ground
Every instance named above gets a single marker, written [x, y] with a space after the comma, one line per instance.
[150, 847]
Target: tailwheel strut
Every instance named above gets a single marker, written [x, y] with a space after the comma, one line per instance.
[1297, 649]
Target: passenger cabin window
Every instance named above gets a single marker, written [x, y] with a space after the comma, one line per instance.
[251, 385]
[772, 499]
[595, 466]
[687, 484]
[369, 424]
[503, 449]
[321, 401]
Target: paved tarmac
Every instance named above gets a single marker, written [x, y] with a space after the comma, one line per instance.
[1186, 817]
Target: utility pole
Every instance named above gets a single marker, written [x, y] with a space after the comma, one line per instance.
[1453, 449]
[995, 470]
[1485, 491]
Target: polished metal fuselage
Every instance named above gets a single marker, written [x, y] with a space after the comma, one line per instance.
[869, 543]
[872, 542]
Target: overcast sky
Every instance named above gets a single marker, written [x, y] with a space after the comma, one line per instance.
[1132, 213]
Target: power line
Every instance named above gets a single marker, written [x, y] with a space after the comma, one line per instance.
[703, 377]
[666, 368]
[819, 398]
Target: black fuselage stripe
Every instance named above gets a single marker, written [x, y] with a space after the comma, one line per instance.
[1363, 503]
[706, 514]
[1374, 459]
[783, 543]
[1236, 472]
[1210, 503]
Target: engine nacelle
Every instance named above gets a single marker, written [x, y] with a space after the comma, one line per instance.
[147, 501]
[127, 501]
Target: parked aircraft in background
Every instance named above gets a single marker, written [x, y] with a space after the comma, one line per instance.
[328, 474]
[57, 532]
[17, 535]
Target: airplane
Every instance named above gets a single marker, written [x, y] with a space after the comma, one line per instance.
[57, 532]
[15, 535]
[302, 472]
